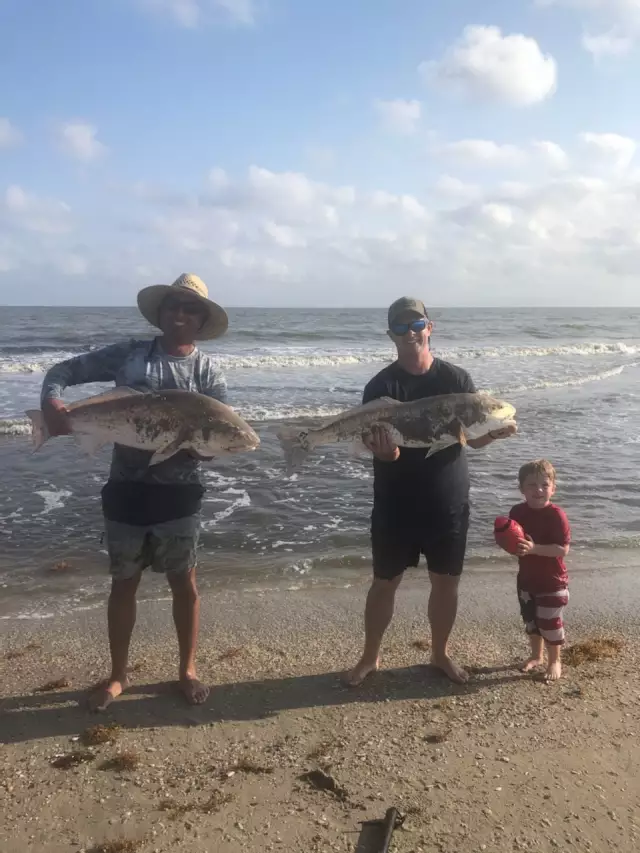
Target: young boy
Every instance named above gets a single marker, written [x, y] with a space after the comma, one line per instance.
[542, 576]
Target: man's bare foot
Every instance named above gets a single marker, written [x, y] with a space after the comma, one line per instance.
[357, 675]
[194, 691]
[103, 694]
[554, 671]
[451, 670]
[532, 663]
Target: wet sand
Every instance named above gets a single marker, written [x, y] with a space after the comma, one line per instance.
[503, 763]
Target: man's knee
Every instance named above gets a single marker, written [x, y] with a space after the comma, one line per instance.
[183, 585]
[123, 589]
[444, 584]
[386, 586]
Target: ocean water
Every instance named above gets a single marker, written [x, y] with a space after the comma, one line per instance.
[572, 374]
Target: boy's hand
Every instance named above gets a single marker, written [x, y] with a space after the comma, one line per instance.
[526, 547]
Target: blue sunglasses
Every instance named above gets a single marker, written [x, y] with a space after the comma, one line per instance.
[401, 329]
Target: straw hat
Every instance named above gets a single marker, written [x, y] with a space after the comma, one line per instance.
[151, 298]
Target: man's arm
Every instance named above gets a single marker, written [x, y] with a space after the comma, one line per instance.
[490, 437]
[99, 366]
[468, 387]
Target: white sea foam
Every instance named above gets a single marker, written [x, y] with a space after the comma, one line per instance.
[306, 358]
[53, 499]
[243, 500]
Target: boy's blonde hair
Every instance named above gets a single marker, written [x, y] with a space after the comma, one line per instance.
[541, 467]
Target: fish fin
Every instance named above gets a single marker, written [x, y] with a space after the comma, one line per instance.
[358, 449]
[295, 444]
[440, 444]
[39, 428]
[88, 441]
[379, 403]
[166, 452]
[113, 394]
[457, 431]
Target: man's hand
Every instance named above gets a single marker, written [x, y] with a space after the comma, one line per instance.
[56, 417]
[381, 445]
[526, 547]
[505, 432]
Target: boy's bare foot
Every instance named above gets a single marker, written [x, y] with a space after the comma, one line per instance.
[193, 690]
[456, 673]
[554, 671]
[532, 663]
[104, 694]
[361, 670]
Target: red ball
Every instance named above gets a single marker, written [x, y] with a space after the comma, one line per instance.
[508, 534]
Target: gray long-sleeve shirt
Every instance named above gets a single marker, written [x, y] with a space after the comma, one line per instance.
[143, 365]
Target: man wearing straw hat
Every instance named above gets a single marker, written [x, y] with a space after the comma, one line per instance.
[152, 515]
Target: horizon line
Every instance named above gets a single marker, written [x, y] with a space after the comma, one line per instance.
[348, 307]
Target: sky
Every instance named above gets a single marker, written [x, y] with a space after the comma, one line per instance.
[321, 152]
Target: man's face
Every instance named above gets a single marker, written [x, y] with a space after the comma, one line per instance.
[410, 332]
[182, 317]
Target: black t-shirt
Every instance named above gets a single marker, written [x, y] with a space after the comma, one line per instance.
[414, 485]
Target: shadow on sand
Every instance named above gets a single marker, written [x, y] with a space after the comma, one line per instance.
[155, 705]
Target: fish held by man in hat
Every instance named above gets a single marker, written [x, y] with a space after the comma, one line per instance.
[164, 422]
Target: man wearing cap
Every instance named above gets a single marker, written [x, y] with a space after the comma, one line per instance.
[152, 515]
[420, 504]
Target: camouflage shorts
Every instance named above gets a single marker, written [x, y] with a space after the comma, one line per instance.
[168, 548]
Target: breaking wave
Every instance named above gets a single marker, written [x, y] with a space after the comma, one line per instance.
[36, 362]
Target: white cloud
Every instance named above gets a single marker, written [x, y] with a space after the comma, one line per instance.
[406, 204]
[454, 191]
[399, 116]
[614, 25]
[283, 235]
[610, 148]
[285, 195]
[552, 154]
[481, 152]
[9, 134]
[484, 65]
[22, 210]
[266, 237]
[487, 154]
[193, 13]
[498, 214]
[607, 44]
[79, 140]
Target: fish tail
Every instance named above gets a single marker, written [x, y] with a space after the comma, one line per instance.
[295, 444]
[39, 428]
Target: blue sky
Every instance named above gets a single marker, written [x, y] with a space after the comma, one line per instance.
[315, 153]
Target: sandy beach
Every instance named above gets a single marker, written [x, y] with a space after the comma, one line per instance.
[504, 763]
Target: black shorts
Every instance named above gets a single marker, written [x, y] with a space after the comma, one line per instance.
[441, 536]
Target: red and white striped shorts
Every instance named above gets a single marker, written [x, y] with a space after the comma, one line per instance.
[542, 614]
